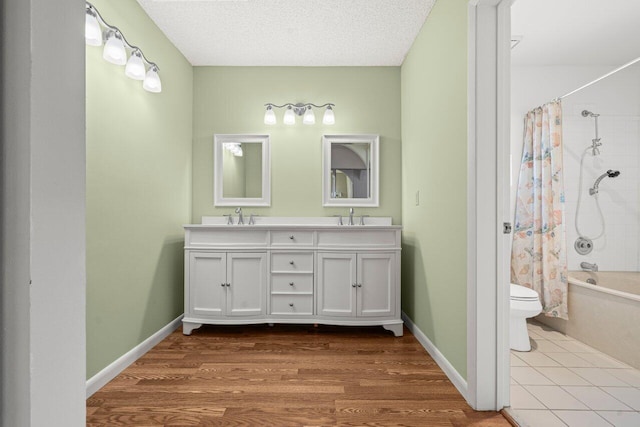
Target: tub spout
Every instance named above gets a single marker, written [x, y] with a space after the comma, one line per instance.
[586, 266]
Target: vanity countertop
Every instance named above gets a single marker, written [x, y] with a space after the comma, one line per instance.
[309, 223]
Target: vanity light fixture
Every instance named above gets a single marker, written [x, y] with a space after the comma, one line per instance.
[116, 46]
[299, 109]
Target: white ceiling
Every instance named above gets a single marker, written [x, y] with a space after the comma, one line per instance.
[576, 32]
[291, 32]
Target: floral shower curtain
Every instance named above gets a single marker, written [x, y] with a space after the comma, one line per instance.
[538, 254]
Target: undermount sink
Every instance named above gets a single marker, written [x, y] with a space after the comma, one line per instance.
[298, 221]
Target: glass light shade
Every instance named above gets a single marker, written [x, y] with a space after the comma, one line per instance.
[135, 68]
[92, 30]
[289, 117]
[114, 51]
[269, 116]
[152, 81]
[309, 117]
[329, 118]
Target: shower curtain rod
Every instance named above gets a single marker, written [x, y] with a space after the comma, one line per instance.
[622, 67]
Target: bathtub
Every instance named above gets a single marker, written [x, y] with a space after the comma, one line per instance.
[604, 315]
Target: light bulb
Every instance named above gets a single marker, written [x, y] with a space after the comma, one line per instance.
[269, 116]
[329, 118]
[92, 30]
[152, 81]
[309, 118]
[135, 66]
[114, 50]
[289, 116]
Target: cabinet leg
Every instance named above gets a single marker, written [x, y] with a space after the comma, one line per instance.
[188, 327]
[396, 328]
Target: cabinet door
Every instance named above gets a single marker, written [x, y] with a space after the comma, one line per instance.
[376, 284]
[336, 280]
[247, 275]
[207, 272]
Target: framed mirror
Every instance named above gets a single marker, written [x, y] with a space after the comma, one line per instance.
[242, 170]
[350, 170]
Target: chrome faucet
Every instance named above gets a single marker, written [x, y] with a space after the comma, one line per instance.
[586, 266]
[240, 218]
[350, 216]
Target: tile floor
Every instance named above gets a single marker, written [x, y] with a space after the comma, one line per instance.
[563, 382]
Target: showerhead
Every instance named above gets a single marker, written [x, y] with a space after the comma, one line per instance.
[610, 173]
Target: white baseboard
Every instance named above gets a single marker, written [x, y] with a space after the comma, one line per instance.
[100, 379]
[457, 380]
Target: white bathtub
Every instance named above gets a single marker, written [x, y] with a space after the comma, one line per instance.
[606, 315]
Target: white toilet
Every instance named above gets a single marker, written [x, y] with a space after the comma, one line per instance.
[525, 303]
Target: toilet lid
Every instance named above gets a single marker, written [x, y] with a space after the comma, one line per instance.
[521, 293]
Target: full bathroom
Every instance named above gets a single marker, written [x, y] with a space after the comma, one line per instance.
[576, 362]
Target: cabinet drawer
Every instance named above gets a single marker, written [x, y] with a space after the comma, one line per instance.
[358, 238]
[292, 305]
[294, 262]
[292, 283]
[291, 238]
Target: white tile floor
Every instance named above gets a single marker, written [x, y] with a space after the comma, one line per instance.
[563, 382]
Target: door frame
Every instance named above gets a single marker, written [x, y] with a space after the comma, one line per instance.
[489, 23]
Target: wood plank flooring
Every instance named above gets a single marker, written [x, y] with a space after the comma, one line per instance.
[285, 375]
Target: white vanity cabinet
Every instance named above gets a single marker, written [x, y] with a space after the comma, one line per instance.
[357, 284]
[276, 273]
[226, 284]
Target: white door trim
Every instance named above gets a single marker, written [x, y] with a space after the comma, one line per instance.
[487, 197]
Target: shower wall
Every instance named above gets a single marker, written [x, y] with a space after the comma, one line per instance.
[617, 100]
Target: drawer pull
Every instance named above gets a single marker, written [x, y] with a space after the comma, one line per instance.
[290, 283]
[291, 237]
[290, 304]
[291, 262]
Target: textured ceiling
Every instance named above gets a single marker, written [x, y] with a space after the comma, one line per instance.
[291, 32]
[576, 32]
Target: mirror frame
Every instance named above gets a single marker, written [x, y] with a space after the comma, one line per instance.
[327, 141]
[218, 198]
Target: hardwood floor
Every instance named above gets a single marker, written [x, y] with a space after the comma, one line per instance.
[285, 375]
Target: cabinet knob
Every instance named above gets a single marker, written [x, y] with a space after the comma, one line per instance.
[223, 284]
[359, 285]
[228, 284]
[290, 304]
[353, 285]
[290, 283]
[291, 262]
[291, 237]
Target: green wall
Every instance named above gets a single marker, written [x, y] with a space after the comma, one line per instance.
[434, 162]
[231, 100]
[138, 190]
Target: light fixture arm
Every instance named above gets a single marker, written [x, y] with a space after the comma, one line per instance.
[94, 11]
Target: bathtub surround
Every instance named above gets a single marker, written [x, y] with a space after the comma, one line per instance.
[138, 191]
[538, 253]
[619, 131]
[604, 318]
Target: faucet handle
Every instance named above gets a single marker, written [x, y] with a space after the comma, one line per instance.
[362, 217]
[229, 218]
[252, 219]
[339, 219]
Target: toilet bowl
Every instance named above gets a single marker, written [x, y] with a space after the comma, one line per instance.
[524, 303]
